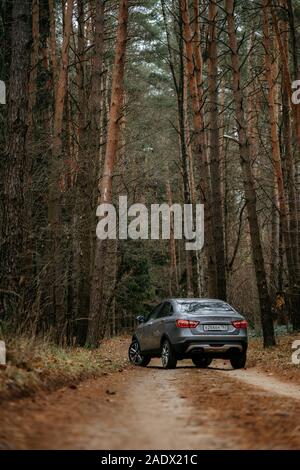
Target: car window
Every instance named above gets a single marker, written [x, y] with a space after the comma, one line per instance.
[202, 308]
[155, 312]
[166, 310]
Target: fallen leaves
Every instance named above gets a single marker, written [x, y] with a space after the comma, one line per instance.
[36, 365]
[275, 360]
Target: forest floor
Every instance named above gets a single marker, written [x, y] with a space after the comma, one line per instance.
[152, 408]
[33, 365]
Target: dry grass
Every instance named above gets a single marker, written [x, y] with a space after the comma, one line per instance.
[276, 360]
[34, 365]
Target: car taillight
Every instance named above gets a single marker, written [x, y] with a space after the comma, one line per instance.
[187, 323]
[240, 324]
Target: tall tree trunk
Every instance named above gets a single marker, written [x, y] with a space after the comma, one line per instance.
[81, 85]
[180, 85]
[96, 75]
[287, 76]
[56, 172]
[214, 144]
[292, 29]
[190, 160]
[97, 322]
[43, 124]
[290, 169]
[89, 143]
[291, 256]
[188, 135]
[173, 273]
[81, 240]
[34, 61]
[200, 146]
[81, 258]
[275, 145]
[290, 183]
[14, 220]
[249, 189]
[197, 49]
[211, 286]
[53, 40]
[224, 177]
[183, 119]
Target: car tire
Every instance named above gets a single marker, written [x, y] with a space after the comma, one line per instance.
[238, 361]
[135, 356]
[201, 362]
[168, 358]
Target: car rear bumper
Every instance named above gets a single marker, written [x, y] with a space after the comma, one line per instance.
[221, 348]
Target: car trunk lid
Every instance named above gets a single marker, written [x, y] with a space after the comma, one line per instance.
[214, 324]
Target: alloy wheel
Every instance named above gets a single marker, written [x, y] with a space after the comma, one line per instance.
[165, 353]
[135, 354]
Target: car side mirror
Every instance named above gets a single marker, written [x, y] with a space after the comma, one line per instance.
[141, 319]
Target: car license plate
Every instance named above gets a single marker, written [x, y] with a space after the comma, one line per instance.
[215, 327]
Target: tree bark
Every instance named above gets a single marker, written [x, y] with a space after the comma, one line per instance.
[197, 49]
[185, 159]
[275, 145]
[173, 273]
[53, 55]
[249, 189]
[200, 146]
[55, 179]
[97, 322]
[287, 76]
[290, 183]
[214, 144]
[34, 61]
[291, 256]
[292, 29]
[14, 221]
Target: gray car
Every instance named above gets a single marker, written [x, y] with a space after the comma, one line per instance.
[199, 329]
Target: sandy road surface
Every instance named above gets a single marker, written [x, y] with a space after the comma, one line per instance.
[151, 408]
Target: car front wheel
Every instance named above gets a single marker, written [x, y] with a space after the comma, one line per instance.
[201, 362]
[238, 361]
[136, 357]
[168, 358]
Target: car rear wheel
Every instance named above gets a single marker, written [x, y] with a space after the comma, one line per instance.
[168, 358]
[201, 362]
[136, 357]
[238, 360]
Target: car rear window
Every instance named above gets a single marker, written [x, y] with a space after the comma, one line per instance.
[204, 307]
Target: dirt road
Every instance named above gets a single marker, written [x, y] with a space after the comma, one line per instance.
[151, 408]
